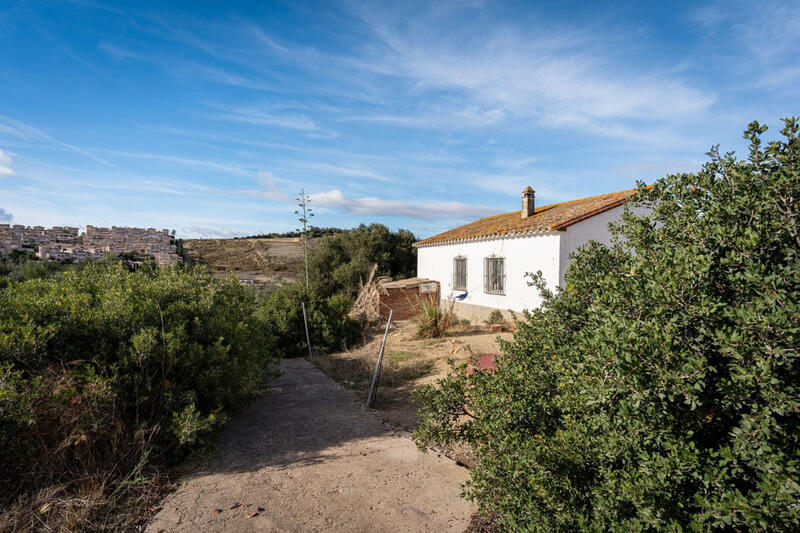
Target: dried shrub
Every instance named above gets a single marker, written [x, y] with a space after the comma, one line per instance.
[433, 321]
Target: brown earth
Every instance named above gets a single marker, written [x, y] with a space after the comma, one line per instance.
[279, 260]
[408, 364]
[306, 457]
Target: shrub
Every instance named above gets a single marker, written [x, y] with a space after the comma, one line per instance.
[20, 265]
[659, 390]
[339, 262]
[328, 324]
[433, 321]
[103, 370]
[496, 317]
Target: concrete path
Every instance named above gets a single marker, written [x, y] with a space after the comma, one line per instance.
[313, 460]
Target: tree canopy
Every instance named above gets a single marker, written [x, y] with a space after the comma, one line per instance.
[339, 262]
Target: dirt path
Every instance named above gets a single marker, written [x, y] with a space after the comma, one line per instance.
[316, 461]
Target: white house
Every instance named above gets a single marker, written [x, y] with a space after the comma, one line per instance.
[488, 259]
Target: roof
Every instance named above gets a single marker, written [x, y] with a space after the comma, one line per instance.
[406, 283]
[553, 217]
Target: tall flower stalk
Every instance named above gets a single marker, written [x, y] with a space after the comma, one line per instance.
[304, 215]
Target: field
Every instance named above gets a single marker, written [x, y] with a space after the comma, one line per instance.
[277, 260]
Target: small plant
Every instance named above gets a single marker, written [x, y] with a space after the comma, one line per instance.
[496, 317]
[433, 321]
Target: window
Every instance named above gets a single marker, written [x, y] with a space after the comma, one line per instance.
[460, 273]
[494, 275]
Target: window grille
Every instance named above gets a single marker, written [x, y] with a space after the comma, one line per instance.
[460, 273]
[494, 275]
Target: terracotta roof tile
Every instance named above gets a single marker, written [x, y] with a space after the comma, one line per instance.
[553, 217]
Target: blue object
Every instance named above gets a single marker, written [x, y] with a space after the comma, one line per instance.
[462, 296]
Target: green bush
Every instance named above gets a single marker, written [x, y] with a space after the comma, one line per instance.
[661, 389]
[20, 265]
[339, 262]
[329, 326]
[103, 369]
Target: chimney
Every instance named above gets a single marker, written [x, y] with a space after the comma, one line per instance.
[528, 197]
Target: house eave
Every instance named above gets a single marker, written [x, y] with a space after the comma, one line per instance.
[493, 237]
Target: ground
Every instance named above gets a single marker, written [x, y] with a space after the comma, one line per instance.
[408, 363]
[307, 457]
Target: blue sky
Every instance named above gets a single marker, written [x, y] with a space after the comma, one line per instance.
[208, 117]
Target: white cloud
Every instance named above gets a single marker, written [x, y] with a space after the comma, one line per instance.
[217, 75]
[350, 170]
[121, 53]
[272, 192]
[5, 165]
[750, 33]
[263, 116]
[182, 68]
[513, 185]
[183, 161]
[650, 169]
[26, 131]
[199, 232]
[399, 208]
[5, 216]
[439, 116]
[541, 72]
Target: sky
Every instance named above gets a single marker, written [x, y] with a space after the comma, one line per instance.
[210, 117]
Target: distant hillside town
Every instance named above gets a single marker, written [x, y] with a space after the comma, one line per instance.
[66, 243]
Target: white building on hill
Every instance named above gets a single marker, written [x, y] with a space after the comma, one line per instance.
[482, 265]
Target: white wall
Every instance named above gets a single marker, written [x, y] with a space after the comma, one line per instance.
[546, 252]
[594, 228]
[522, 254]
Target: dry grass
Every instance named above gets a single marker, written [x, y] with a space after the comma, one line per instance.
[483, 524]
[409, 363]
[256, 259]
[355, 370]
[92, 503]
[91, 473]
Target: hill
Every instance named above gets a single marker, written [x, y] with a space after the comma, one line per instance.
[252, 259]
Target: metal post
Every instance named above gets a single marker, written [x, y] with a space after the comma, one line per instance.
[305, 323]
[377, 375]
